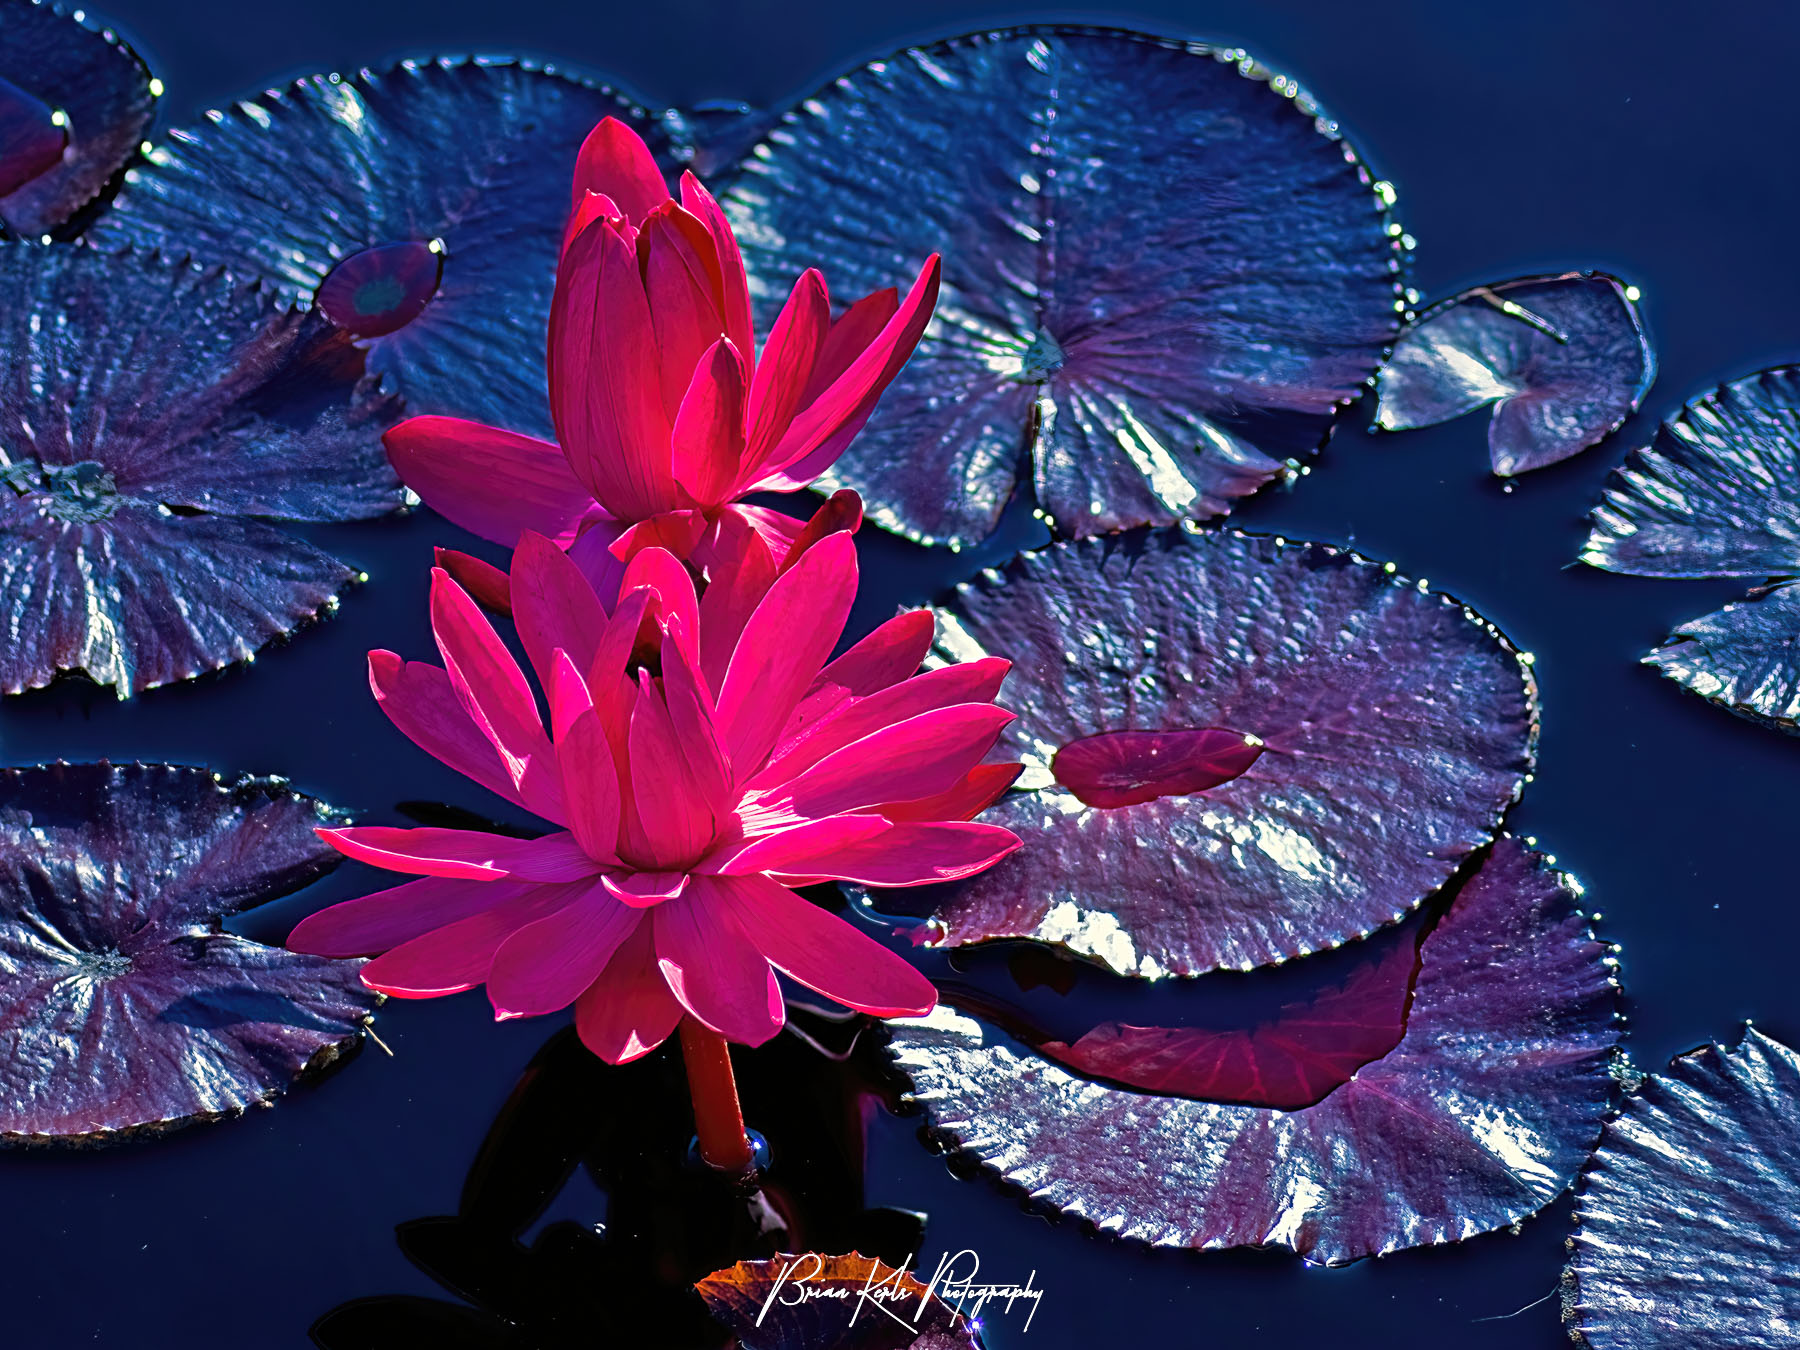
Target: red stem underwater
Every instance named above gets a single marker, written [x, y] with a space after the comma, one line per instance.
[718, 1119]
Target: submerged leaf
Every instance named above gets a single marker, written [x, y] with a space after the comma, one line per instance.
[1395, 727]
[1479, 1117]
[1292, 1061]
[149, 415]
[75, 104]
[1163, 271]
[810, 1301]
[1563, 359]
[1688, 1219]
[124, 1005]
[336, 190]
[1717, 494]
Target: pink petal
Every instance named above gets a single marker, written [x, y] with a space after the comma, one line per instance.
[823, 952]
[842, 511]
[492, 689]
[777, 529]
[712, 966]
[592, 554]
[695, 720]
[919, 757]
[421, 701]
[784, 367]
[854, 718]
[782, 648]
[614, 161]
[664, 575]
[672, 826]
[567, 693]
[680, 278]
[590, 783]
[612, 691]
[490, 587]
[457, 956]
[463, 853]
[851, 393]
[908, 854]
[734, 303]
[708, 438]
[604, 387]
[493, 483]
[851, 334]
[675, 532]
[734, 588]
[554, 606]
[376, 923]
[641, 890]
[977, 790]
[804, 842]
[629, 1010]
[588, 207]
[545, 966]
[890, 654]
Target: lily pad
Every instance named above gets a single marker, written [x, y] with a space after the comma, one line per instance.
[1563, 360]
[153, 417]
[75, 104]
[1394, 726]
[125, 1007]
[1164, 271]
[337, 189]
[1688, 1218]
[1480, 1116]
[810, 1301]
[1717, 494]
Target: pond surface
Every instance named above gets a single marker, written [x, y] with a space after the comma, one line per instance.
[1523, 139]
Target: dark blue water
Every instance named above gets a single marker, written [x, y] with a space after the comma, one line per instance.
[1525, 136]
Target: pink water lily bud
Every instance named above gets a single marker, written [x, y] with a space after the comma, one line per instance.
[703, 756]
[667, 413]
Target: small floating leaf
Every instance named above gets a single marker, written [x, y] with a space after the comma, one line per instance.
[1394, 726]
[809, 1301]
[75, 104]
[1163, 271]
[124, 1005]
[352, 192]
[1717, 494]
[150, 416]
[1563, 359]
[1688, 1218]
[1479, 1117]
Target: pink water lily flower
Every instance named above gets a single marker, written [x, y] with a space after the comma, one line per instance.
[666, 414]
[703, 756]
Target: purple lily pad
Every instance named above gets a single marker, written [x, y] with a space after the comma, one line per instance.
[1164, 271]
[1717, 494]
[75, 105]
[125, 1007]
[810, 1301]
[150, 416]
[1396, 726]
[1479, 1117]
[1564, 360]
[317, 188]
[1688, 1218]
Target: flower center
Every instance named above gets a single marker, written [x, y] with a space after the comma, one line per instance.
[1124, 768]
[376, 291]
[33, 136]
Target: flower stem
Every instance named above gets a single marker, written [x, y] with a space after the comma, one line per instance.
[718, 1119]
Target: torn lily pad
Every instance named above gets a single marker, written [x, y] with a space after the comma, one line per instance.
[810, 1301]
[153, 419]
[75, 105]
[125, 1007]
[1563, 361]
[421, 208]
[1688, 1218]
[1717, 494]
[1382, 728]
[1164, 271]
[1479, 1117]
